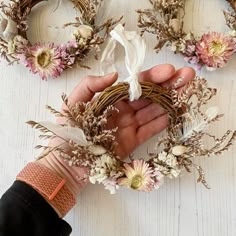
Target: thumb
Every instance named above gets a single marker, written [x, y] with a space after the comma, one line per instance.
[87, 88]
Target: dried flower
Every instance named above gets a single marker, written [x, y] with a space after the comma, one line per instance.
[215, 49]
[44, 59]
[139, 176]
[111, 185]
[17, 44]
[104, 168]
[167, 164]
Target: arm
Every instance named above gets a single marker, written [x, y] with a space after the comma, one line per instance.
[47, 189]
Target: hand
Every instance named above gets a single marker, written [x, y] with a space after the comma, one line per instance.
[139, 120]
[136, 121]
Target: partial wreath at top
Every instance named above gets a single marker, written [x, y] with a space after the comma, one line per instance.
[166, 21]
[47, 59]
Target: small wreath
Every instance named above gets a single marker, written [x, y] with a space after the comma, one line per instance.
[166, 21]
[92, 145]
[48, 59]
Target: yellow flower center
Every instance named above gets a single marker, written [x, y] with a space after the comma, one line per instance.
[136, 182]
[216, 48]
[44, 59]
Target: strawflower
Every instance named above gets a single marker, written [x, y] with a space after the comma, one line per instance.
[215, 49]
[44, 59]
[139, 176]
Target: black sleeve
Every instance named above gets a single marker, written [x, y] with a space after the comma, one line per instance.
[24, 212]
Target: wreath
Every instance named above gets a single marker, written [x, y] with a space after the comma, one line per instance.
[92, 145]
[166, 21]
[47, 59]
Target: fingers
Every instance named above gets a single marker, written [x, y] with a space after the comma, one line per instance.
[180, 78]
[158, 74]
[86, 89]
[166, 76]
[152, 128]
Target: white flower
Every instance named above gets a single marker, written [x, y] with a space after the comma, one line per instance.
[111, 185]
[162, 156]
[18, 43]
[188, 36]
[232, 33]
[8, 28]
[103, 168]
[167, 164]
[171, 160]
[175, 173]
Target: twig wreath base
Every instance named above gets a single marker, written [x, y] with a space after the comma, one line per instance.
[166, 21]
[92, 145]
[47, 59]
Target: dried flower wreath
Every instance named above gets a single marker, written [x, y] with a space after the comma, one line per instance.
[166, 21]
[92, 145]
[47, 59]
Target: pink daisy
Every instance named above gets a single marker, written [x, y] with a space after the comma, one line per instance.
[215, 49]
[138, 176]
[44, 59]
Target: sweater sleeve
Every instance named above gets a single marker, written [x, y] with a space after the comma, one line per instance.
[23, 211]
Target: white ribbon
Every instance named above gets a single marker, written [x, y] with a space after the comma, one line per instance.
[135, 48]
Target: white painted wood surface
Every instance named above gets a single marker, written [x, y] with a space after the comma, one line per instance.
[181, 207]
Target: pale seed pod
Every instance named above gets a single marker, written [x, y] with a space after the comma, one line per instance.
[8, 28]
[179, 150]
[85, 31]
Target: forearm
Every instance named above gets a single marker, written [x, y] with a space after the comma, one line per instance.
[23, 211]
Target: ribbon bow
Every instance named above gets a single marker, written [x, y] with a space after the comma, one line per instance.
[135, 48]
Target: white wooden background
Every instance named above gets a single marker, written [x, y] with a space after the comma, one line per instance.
[181, 207]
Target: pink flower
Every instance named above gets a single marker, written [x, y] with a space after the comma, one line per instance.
[215, 49]
[44, 59]
[139, 176]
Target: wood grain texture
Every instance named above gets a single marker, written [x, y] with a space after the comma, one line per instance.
[181, 207]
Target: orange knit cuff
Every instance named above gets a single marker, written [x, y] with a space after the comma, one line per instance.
[51, 186]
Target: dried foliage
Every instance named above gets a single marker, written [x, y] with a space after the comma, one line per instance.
[230, 15]
[165, 20]
[90, 144]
